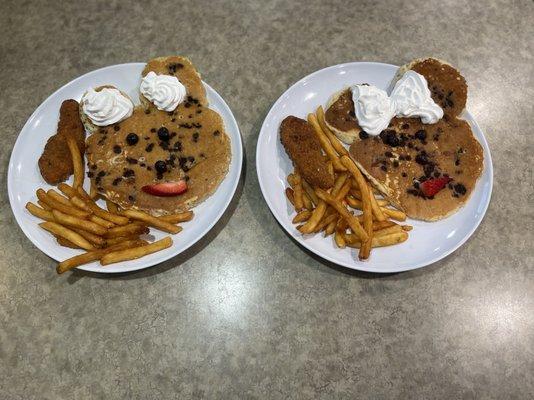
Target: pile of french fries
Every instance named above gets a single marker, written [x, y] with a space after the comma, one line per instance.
[111, 235]
[350, 210]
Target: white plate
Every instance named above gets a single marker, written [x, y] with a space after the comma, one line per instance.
[24, 177]
[428, 242]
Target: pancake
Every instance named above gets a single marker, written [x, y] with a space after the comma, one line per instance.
[341, 119]
[409, 153]
[194, 147]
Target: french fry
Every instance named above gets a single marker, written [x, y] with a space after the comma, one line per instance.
[330, 167]
[133, 228]
[407, 228]
[44, 206]
[377, 225]
[82, 193]
[375, 205]
[394, 214]
[136, 252]
[179, 217]
[352, 221]
[309, 191]
[80, 203]
[93, 193]
[356, 204]
[112, 207]
[388, 231]
[313, 221]
[114, 240]
[380, 241]
[98, 241]
[100, 212]
[85, 258]
[365, 249]
[330, 228]
[43, 196]
[297, 192]
[71, 221]
[101, 221]
[59, 230]
[343, 191]
[59, 198]
[152, 221]
[339, 239]
[336, 144]
[66, 243]
[325, 222]
[290, 196]
[77, 161]
[39, 212]
[302, 217]
[291, 180]
[67, 190]
[325, 144]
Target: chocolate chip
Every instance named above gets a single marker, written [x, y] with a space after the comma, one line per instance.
[195, 137]
[117, 149]
[132, 139]
[101, 173]
[422, 158]
[90, 174]
[390, 138]
[147, 111]
[116, 128]
[363, 135]
[420, 134]
[153, 130]
[163, 134]
[160, 166]
[460, 189]
[93, 166]
[128, 173]
[131, 198]
[395, 163]
[404, 175]
[405, 126]
[384, 168]
[216, 133]
[131, 160]
[116, 181]
[388, 154]
[149, 148]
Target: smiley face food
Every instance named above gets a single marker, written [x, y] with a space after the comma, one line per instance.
[168, 154]
[428, 168]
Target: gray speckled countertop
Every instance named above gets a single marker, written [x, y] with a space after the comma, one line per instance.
[247, 313]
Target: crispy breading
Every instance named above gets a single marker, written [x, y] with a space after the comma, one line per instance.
[304, 149]
[55, 163]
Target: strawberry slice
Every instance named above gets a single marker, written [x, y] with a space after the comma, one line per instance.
[166, 189]
[431, 187]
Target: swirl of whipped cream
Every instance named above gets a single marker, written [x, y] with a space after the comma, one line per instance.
[412, 99]
[165, 91]
[373, 108]
[107, 106]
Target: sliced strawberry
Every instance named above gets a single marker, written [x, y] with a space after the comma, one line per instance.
[431, 187]
[166, 189]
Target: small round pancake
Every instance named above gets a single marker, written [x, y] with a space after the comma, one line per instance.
[340, 117]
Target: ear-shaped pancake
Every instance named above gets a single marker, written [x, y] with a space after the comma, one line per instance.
[447, 86]
[186, 73]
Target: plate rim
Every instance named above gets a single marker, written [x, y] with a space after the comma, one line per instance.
[466, 114]
[238, 159]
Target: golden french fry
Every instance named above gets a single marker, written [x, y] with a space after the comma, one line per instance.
[290, 197]
[297, 192]
[43, 197]
[112, 241]
[352, 221]
[339, 239]
[179, 217]
[309, 191]
[336, 144]
[98, 241]
[112, 207]
[313, 221]
[377, 225]
[136, 252]
[152, 221]
[302, 217]
[380, 241]
[59, 230]
[93, 193]
[133, 228]
[66, 243]
[325, 144]
[59, 198]
[395, 214]
[325, 222]
[291, 180]
[85, 258]
[308, 205]
[39, 212]
[77, 161]
[330, 167]
[330, 228]
[407, 228]
[388, 231]
[356, 204]
[101, 221]
[367, 209]
[44, 205]
[355, 192]
[80, 203]
[74, 222]
[100, 212]
[343, 191]
[379, 215]
[82, 193]
[67, 190]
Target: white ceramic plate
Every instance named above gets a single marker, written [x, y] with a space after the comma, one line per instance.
[428, 242]
[24, 177]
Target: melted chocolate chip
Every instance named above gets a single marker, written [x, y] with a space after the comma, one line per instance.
[149, 148]
[101, 173]
[116, 181]
[363, 135]
[90, 174]
[131, 160]
[117, 149]
[128, 173]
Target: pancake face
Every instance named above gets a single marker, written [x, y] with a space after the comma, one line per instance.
[152, 147]
[409, 153]
[184, 70]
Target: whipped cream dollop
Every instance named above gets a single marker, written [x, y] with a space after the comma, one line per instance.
[373, 108]
[107, 106]
[412, 99]
[165, 91]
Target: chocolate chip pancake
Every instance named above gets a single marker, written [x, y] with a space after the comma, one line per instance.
[154, 147]
[409, 153]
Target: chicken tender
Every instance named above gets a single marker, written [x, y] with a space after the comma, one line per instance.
[55, 163]
[304, 149]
